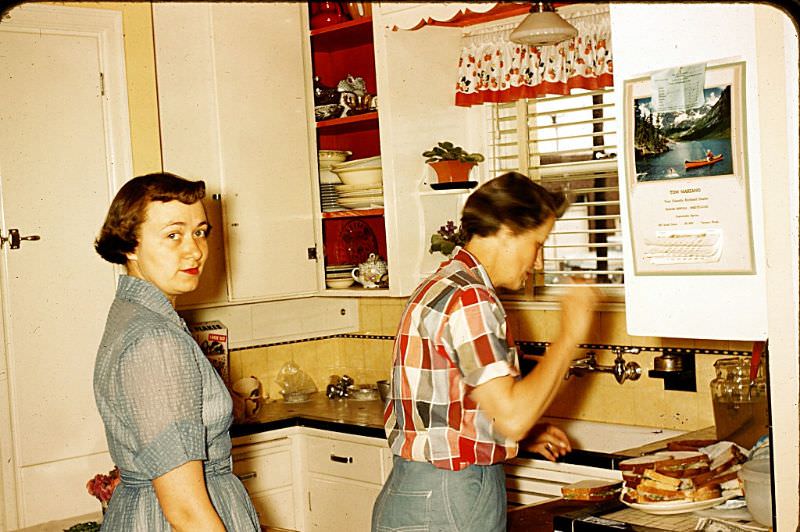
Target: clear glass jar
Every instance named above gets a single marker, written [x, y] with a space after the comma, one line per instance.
[740, 407]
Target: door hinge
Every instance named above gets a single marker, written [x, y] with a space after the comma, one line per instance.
[102, 84]
[312, 253]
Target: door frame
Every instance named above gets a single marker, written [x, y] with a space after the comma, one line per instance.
[105, 25]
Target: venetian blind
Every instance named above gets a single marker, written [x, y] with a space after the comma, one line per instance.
[568, 142]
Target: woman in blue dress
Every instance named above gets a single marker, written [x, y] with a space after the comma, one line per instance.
[166, 410]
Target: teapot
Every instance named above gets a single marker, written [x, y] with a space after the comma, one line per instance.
[371, 272]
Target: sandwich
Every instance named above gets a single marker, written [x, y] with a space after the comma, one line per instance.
[682, 464]
[632, 468]
[595, 490]
[646, 494]
[682, 476]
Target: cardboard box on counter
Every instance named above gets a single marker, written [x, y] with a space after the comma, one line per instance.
[212, 337]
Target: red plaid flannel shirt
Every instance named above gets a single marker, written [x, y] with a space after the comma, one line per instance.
[452, 337]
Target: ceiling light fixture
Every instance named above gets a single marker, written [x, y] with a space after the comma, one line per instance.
[543, 26]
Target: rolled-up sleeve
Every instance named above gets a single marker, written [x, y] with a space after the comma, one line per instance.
[476, 328]
[161, 401]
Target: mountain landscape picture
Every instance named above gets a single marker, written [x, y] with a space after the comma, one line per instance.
[684, 144]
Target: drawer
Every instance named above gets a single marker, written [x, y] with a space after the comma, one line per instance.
[275, 509]
[263, 466]
[356, 461]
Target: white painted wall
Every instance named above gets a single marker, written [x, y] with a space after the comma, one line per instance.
[649, 37]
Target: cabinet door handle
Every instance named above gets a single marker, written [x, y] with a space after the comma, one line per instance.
[342, 459]
[248, 476]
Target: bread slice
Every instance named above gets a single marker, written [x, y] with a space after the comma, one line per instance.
[653, 478]
[709, 491]
[595, 490]
[650, 494]
[639, 463]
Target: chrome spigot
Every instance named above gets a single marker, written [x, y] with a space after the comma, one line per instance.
[621, 370]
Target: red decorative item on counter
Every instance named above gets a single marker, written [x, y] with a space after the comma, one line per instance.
[326, 14]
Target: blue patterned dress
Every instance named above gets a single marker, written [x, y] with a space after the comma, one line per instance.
[162, 404]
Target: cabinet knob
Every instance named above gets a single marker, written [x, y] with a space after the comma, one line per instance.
[342, 459]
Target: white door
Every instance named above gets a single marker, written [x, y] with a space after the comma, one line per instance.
[64, 143]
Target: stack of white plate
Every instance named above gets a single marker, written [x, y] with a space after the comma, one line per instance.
[360, 196]
[339, 276]
[328, 196]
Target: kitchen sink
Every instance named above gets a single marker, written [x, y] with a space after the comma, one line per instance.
[609, 437]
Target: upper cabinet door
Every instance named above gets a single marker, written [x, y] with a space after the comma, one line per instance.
[233, 103]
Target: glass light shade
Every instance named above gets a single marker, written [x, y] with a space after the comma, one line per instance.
[543, 28]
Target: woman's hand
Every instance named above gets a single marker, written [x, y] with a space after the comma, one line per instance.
[577, 312]
[548, 441]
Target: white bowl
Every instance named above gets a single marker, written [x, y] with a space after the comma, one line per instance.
[360, 175]
[339, 283]
[335, 156]
[368, 161]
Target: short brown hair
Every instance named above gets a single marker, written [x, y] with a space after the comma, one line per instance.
[512, 200]
[119, 234]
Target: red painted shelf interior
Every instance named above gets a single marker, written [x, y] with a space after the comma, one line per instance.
[334, 122]
[352, 213]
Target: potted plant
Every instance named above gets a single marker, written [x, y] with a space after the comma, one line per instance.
[446, 238]
[451, 163]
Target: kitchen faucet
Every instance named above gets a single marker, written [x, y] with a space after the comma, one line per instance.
[620, 369]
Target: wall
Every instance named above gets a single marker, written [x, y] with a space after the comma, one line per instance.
[595, 397]
[140, 71]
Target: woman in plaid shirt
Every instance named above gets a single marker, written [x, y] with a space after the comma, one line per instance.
[458, 405]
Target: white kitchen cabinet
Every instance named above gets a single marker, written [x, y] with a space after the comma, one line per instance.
[343, 477]
[233, 102]
[266, 470]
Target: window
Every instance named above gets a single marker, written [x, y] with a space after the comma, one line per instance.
[568, 142]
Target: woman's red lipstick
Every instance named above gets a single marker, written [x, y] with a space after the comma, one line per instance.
[192, 271]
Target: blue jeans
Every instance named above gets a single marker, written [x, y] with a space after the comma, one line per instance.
[418, 497]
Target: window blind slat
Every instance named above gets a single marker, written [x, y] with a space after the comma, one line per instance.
[569, 142]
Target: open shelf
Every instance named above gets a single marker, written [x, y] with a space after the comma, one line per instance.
[334, 122]
[353, 213]
[363, 24]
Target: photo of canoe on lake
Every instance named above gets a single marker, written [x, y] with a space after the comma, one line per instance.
[684, 144]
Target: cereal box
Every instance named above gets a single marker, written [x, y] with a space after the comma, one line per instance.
[212, 337]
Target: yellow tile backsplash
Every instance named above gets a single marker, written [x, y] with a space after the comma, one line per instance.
[595, 397]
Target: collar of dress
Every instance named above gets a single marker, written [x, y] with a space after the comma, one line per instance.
[145, 293]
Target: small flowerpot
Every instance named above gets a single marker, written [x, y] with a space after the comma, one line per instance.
[452, 171]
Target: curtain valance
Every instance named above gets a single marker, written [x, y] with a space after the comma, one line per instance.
[491, 68]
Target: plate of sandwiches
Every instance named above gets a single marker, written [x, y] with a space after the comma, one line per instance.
[674, 482]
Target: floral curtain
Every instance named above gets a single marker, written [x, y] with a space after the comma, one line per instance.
[494, 69]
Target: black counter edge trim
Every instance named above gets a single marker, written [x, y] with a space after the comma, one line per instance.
[248, 429]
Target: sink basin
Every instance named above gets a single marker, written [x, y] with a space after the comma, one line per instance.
[609, 437]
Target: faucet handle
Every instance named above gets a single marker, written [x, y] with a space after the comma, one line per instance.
[626, 349]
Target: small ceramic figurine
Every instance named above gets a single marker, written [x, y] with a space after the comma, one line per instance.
[352, 84]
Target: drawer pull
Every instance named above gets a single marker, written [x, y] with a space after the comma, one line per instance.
[248, 476]
[342, 459]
